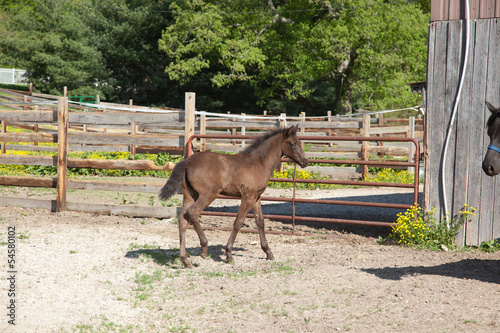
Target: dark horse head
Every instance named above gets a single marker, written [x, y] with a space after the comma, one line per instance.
[491, 162]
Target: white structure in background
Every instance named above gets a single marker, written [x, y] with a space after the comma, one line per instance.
[13, 76]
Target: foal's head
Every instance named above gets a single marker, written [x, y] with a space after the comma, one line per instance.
[491, 162]
[292, 147]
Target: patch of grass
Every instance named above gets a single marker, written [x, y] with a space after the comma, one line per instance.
[106, 325]
[134, 246]
[24, 235]
[285, 268]
[174, 202]
[146, 279]
[490, 246]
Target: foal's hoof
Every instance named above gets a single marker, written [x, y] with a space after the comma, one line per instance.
[230, 260]
[187, 264]
[270, 256]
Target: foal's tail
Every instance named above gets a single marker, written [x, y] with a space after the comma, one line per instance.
[173, 183]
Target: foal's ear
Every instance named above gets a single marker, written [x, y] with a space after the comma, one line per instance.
[292, 130]
[491, 107]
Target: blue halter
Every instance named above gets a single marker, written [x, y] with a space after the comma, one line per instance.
[494, 148]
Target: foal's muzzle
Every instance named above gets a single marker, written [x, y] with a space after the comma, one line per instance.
[303, 162]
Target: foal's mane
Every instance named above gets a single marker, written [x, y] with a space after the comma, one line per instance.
[260, 139]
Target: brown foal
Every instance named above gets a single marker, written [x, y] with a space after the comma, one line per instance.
[204, 175]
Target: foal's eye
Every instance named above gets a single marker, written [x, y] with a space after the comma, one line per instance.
[292, 144]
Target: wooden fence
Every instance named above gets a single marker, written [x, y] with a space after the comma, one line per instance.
[64, 137]
[178, 124]
[112, 127]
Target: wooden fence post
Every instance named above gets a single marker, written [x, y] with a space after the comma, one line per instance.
[203, 131]
[365, 131]
[189, 118]
[303, 123]
[62, 153]
[3, 143]
[411, 146]
[97, 102]
[282, 121]
[243, 131]
[282, 124]
[233, 130]
[133, 131]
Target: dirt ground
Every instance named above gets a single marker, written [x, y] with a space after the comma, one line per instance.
[79, 272]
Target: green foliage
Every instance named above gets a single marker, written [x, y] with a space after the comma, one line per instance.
[40, 170]
[490, 246]
[51, 40]
[126, 33]
[421, 229]
[286, 56]
[21, 87]
[363, 52]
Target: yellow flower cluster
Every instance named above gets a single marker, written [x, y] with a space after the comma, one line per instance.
[22, 130]
[393, 176]
[410, 228]
[300, 174]
[418, 228]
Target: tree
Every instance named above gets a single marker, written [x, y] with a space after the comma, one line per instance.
[51, 41]
[126, 33]
[363, 49]
[107, 47]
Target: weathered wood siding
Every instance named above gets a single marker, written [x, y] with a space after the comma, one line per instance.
[446, 10]
[465, 181]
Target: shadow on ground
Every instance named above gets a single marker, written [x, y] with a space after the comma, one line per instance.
[473, 269]
[338, 212]
[170, 258]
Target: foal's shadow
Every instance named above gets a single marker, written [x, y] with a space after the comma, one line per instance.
[170, 258]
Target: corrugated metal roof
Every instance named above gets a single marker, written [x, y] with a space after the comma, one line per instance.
[447, 10]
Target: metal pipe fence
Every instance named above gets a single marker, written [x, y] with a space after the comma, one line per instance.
[293, 217]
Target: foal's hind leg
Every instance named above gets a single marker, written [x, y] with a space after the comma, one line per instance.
[183, 224]
[192, 215]
[259, 220]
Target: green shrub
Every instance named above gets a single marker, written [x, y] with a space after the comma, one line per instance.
[490, 246]
[421, 229]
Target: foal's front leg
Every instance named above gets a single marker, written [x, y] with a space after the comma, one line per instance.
[246, 204]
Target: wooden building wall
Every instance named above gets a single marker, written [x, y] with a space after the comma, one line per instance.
[447, 10]
[466, 183]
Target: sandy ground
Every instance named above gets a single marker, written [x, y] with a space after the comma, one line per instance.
[78, 272]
